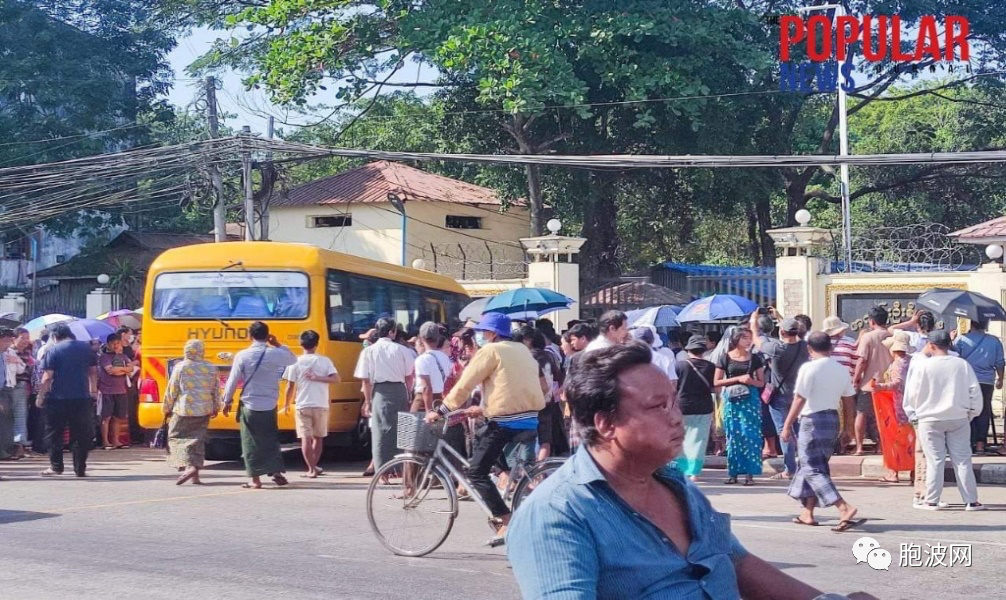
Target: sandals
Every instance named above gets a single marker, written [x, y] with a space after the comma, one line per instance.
[50, 473]
[799, 521]
[185, 477]
[730, 481]
[251, 486]
[847, 524]
[280, 480]
[496, 541]
[748, 480]
[887, 479]
[781, 475]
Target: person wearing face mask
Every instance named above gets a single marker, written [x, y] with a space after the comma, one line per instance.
[511, 399]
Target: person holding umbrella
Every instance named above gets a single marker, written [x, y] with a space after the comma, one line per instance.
[984, 352]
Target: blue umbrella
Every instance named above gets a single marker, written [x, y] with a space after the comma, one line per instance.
[657, 316]
[527, 300]
[476, 308]
[717, 307]
[90, 329]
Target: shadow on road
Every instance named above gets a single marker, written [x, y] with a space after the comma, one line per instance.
[18, 516]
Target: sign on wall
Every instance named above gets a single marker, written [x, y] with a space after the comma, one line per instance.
[854, 309]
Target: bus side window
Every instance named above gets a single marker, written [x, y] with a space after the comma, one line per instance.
[340, 312]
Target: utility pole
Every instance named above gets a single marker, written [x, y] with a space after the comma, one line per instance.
[843, 141]
[264, 217]
[246, 175]
[219, 211]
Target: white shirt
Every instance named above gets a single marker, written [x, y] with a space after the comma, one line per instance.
[598, 343]
[15, 366]
[385, 362]
[942, 388]
[310, 394]
[665, 364]
[435, 365]
[822, 382]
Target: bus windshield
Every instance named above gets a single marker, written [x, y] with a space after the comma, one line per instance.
[231, 295]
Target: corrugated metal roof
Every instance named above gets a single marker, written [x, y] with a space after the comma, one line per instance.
[995, 228]
[374, 181]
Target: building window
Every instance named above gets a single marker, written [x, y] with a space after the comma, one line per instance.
[459, 222]
[332, 221]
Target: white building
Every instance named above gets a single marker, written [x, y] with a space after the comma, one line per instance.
[457, 228]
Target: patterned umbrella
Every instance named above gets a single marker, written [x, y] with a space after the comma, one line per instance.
[718, 307]
[36, 326]
[123, 318]
[657, 316]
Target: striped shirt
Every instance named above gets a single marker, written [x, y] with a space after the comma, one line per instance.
[574, 538]
[845, 353]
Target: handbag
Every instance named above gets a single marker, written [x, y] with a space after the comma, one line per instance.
[769, 389]
[258, 363]
[739, 391]
[161, 437]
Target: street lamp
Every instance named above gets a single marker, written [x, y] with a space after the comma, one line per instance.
[554, 226]
[994, 252]
[803, 217]
[103, 279]
[400, 207]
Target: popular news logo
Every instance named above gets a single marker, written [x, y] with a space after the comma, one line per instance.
[828, 43]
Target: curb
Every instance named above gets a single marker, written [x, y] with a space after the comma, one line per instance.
[872, 467]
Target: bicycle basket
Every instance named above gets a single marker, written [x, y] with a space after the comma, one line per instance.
[415, 434]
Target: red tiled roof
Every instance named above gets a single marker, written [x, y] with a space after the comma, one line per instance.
[989, 229]
[372, 183]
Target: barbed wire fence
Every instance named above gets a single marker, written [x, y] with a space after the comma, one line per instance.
[916, 247]
[476, 261]
[903, 248]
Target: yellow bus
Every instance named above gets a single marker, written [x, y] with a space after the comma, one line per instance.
[213, 292]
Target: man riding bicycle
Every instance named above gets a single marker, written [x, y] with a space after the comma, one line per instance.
[511, 399]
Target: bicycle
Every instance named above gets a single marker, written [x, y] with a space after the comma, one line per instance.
[412, 501]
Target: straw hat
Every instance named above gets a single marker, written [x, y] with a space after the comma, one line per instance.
[900, 342]
[834, 326]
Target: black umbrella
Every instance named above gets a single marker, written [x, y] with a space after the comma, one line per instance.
[962, 303]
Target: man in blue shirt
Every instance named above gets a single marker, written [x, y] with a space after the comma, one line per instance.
[67, 392]
[614, 521]
[984, 353]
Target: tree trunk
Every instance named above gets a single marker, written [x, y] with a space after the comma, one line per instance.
[599, 259]
[754, 245]
[518, 128]
[537, 205]
[763, 214]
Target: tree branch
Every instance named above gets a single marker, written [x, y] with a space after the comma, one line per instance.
[929, 173]
[925, 91]
[406, 84]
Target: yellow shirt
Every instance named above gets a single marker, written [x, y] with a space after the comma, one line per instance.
[508, 375]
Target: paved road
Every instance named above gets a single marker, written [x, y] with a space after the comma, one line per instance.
[128, 531]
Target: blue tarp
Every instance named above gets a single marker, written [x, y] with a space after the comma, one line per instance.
[743, 286]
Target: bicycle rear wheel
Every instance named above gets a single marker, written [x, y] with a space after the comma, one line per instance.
[532, 478]
[413, 513]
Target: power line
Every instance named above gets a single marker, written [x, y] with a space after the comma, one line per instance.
[131, 125]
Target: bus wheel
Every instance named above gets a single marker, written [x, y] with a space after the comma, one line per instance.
[223, 450]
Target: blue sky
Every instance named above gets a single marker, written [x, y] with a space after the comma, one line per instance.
[250, 107]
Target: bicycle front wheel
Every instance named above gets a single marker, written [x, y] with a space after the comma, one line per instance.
[532, 478]
[411, 506]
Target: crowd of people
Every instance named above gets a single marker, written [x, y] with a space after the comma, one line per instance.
[61, 394]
